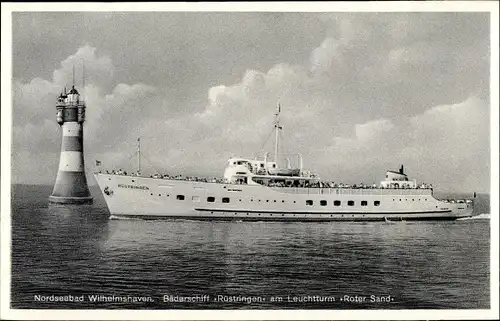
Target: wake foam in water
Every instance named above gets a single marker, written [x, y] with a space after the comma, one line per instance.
[113, 217]
[483, 216]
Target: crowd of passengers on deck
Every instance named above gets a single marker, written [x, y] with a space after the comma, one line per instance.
[326, 184]
[272, 183]
[166, 176]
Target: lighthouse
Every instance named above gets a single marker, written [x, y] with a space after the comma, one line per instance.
[71, 183]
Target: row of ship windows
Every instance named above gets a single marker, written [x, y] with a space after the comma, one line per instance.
[211, 199]
[226, 200]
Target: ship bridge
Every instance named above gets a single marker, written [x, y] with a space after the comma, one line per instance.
[397, 179]
[263, 172]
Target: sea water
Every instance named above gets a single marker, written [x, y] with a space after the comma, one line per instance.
[78, 257]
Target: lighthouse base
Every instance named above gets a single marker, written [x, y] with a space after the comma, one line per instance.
[71, 200]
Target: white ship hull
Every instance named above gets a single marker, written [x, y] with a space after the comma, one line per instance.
[148, 198]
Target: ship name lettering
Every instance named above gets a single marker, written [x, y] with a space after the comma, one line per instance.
[133, 186]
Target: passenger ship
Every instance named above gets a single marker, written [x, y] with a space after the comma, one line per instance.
[260, 190]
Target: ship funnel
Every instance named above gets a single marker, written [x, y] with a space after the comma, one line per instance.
[401, 171]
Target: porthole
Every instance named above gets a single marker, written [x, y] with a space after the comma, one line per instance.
[225, 200]
[350, 203]
[323, 203]
[180, 197]
[336, 203]
[309, 202]
[210, 199]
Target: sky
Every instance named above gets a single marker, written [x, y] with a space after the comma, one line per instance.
[360, 93]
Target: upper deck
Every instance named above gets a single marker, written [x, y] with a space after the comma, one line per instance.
[311, 189]
[353, 191]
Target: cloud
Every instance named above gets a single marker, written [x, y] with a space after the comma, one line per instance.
[327, 56]
[98, 69]
[373, 129]
[447, 145]
[35, 131]
[361, 95]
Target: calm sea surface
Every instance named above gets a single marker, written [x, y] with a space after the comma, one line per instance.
[63, 254]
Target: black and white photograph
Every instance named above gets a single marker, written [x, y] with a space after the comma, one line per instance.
[281, 160]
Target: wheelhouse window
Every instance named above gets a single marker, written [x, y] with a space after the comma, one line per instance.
[350, 203]
[323, 203]
[364, 203]
[180, 197]
[376, 203]
[336, 203]
[210, 199]
[309, 202]
[225, 200]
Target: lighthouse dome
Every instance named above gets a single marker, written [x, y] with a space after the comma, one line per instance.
[73, 91]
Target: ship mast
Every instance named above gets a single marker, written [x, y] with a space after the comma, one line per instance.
[277, 127]
[139, 153]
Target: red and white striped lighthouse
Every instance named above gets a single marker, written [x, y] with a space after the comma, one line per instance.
[71, 183]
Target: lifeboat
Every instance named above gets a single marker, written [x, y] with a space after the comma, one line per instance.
[284, 171]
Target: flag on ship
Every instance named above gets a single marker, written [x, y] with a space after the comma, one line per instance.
[97, 163]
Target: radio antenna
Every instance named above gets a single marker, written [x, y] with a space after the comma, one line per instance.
[83, 80]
